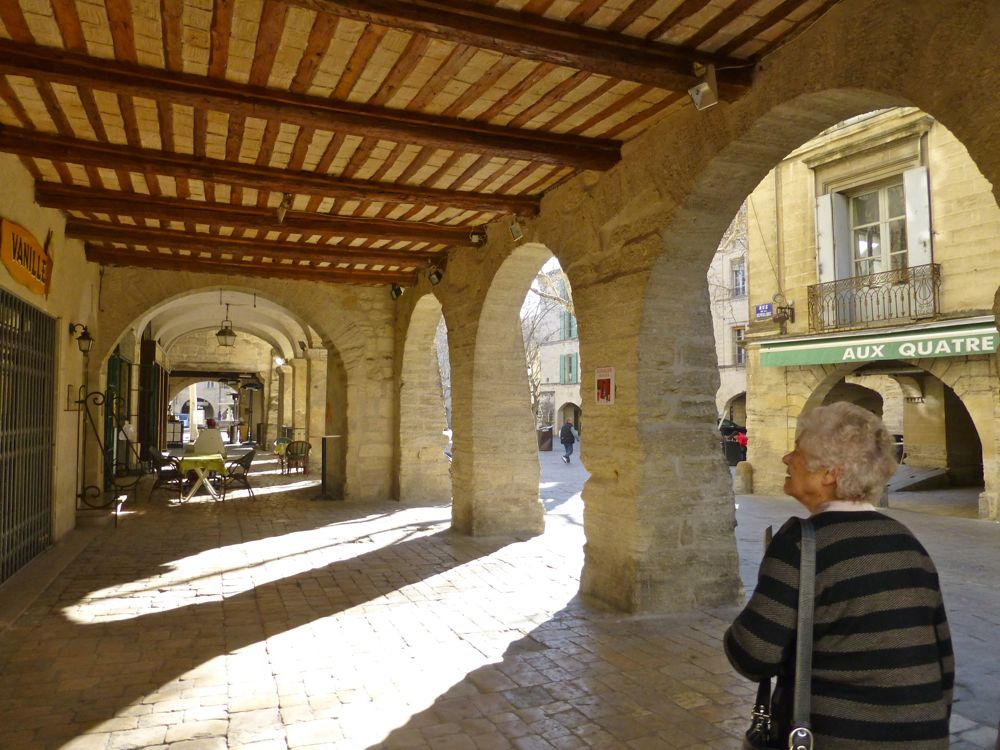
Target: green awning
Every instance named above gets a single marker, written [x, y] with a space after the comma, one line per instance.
[955, 339]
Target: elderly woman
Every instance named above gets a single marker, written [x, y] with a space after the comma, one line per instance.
[882, 665]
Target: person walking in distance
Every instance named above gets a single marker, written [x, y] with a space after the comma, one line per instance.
[567, 438]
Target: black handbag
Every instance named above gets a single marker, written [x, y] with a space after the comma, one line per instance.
[760, 735]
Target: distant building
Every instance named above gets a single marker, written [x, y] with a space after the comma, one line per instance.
[727, 289]
[874, 255]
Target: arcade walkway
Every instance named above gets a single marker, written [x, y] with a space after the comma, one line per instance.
[287, 623]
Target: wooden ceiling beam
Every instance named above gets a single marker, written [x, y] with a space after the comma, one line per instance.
[61, 149]
[543, 39]
[118, 203]
[118, 257]
[100, 231]
[61, 66]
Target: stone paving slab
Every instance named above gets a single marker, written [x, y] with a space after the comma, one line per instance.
[287, 623]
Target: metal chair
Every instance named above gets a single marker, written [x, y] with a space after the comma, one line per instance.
[297, 455]
[280, 444]
[168, 474]
[238, 473]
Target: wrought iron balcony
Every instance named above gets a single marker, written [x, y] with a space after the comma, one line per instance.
[899, 296]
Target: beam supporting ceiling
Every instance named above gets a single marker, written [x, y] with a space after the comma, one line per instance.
[118, 203]
[214, 374]
[89, 153]
[118, 257]
[100, 231]
[538, 38]
[323, 114]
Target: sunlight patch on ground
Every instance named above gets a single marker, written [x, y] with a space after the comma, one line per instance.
[257, 563]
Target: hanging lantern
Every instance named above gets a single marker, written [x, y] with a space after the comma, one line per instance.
[226, 335]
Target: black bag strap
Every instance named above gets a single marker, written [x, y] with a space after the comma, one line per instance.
[762, 704]
[801, 737]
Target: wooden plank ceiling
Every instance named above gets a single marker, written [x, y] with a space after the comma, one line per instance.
[347, 141]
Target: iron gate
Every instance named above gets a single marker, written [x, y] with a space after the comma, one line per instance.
[27, 377]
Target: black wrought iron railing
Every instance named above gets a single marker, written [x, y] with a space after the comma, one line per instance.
[898, 296]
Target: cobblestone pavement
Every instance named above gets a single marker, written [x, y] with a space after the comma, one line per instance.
[287, 623]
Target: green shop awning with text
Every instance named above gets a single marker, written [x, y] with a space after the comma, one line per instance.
[936, 340]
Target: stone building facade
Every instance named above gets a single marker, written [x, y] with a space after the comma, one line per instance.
[727, 292]
[877, 247]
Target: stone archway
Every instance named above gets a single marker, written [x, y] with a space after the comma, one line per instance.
[347, 366]
[672, 518]
[973, 401]
[569, 411]
[424, 470]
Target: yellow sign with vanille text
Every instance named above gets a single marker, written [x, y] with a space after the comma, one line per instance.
[28, 262]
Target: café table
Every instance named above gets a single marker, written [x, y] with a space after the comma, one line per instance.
[202, 466]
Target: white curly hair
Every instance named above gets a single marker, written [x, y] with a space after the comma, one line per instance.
[852, 440]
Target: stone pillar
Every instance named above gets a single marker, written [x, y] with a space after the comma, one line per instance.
[285, 400]
[298, 415]
[924, 428]
[495, 462]
[193, 412]
[314, 418]
[770, 429]
[424, 469]
[659, 505]
[495, 449]
[269, 416]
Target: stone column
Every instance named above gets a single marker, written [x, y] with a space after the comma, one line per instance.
[193, 412]
[298, 414]
[770, 428]
[424, 469]
[270, 415]
[495, 463]
[285, 399]
[314, 416]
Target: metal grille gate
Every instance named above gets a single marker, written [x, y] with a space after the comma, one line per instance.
[27, 377]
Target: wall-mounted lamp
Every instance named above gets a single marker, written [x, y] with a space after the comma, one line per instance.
[515, 230]
[435, 275]
[478, 237]
[279, 361]
[226, 335]
[706, 92]
[395, 291]
[784, 312]
[286, 203]
[83, 338]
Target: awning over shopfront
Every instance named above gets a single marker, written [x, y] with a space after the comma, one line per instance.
[955, 338]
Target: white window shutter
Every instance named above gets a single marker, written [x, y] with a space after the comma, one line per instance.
[842, 236]
[916, 187]
[833, 238]
[826, 263]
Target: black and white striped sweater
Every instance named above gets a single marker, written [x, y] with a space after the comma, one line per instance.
[883, 669]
